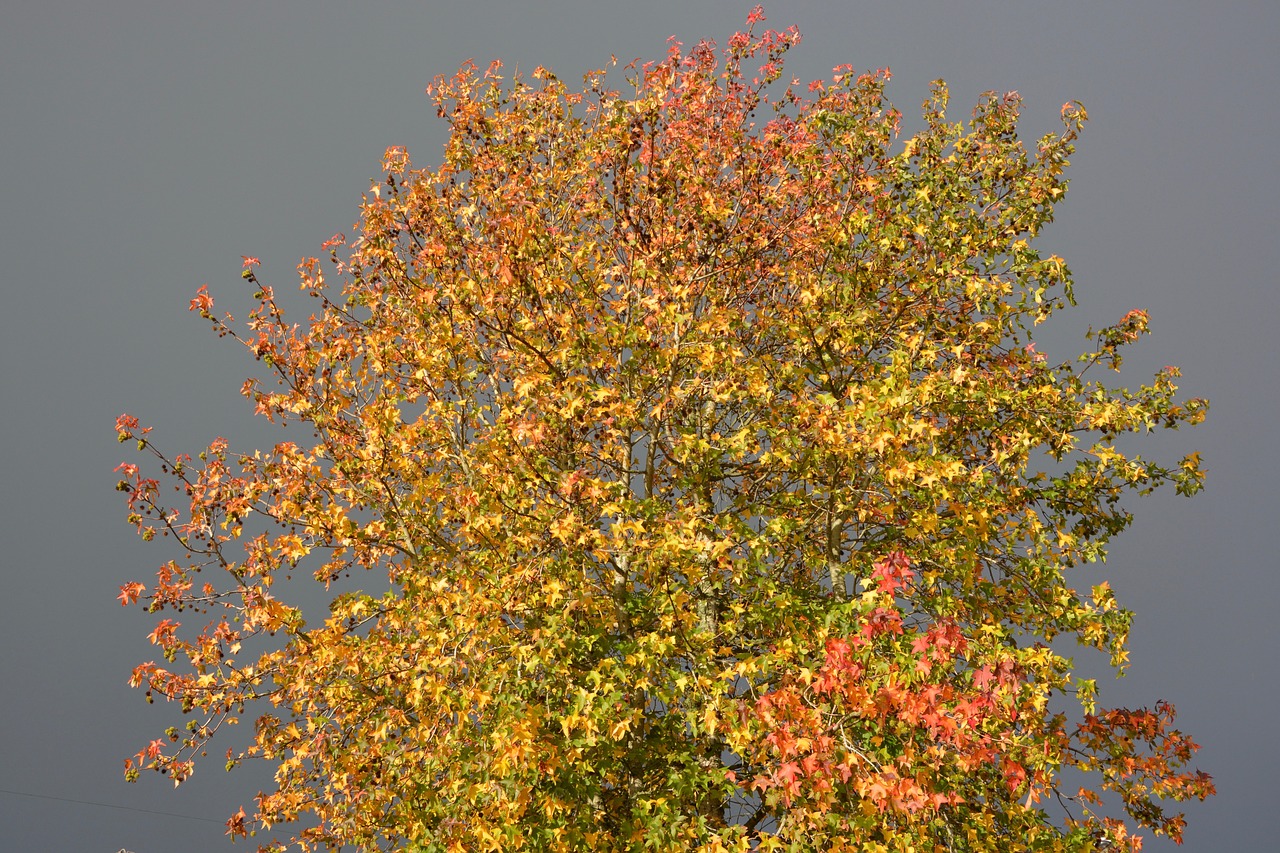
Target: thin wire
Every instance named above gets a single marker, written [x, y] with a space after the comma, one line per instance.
[108, 805]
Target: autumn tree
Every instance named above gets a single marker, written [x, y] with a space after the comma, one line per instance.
[719, 494]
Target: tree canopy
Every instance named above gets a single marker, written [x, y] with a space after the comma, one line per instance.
[713, 492]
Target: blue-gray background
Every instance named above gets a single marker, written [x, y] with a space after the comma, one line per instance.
[145, 146]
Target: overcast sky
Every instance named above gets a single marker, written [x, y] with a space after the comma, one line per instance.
[146, 146]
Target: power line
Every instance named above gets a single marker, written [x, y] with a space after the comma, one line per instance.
[107, 805]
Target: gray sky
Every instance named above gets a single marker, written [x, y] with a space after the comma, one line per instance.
[145, 146]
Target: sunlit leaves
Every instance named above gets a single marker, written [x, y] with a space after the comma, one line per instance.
[714, 491]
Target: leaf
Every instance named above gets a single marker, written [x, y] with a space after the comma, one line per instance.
[129, 593]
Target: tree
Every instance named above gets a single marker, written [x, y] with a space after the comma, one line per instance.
[723, 499]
